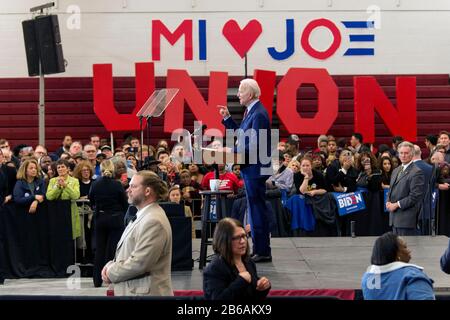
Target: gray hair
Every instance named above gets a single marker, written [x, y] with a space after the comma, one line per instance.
[406, 144]
[322, 138]
[253, 86]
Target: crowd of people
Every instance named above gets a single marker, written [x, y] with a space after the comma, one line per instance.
[95, 172]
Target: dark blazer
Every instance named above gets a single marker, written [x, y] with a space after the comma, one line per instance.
[257, 119]
[108, 195]
[222, 282]
[445, 260]
[23, 195]
[427, 169]
[334, 177]
[408, 190]
[8, 180]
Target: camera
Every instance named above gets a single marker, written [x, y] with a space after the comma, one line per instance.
[132, 150]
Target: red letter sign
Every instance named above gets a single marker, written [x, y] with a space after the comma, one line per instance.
[104, 96]
[208, 114]
[266, 81]
[158, 29]
[370, 97]
[327, 101]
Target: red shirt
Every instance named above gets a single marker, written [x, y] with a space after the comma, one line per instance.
[229, 181]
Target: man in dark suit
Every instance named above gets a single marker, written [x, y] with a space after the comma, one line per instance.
[254, 172]
[425, 213]
[356, 143]
[406, 193]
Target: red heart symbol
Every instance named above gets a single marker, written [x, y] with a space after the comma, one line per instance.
[242, 39]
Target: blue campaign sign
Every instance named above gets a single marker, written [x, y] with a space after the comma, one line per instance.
[386, 192]
[349, 202]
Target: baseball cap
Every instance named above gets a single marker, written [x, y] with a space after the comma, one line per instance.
[106, 147]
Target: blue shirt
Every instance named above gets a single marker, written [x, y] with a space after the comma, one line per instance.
[397, 281]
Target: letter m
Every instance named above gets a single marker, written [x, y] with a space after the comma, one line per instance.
[400, 120]
[158, 29]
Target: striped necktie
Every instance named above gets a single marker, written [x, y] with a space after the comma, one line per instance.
[401, 172]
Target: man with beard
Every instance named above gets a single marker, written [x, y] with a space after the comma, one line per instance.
[144, 253]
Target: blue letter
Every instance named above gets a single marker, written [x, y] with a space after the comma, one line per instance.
[289, 43]
[202, 39]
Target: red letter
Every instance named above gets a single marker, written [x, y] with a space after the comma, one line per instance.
[208, 114]
[334, 45]
[327, 92]
[158, 29]
[370, 97]
[104, 96]
[267, 81]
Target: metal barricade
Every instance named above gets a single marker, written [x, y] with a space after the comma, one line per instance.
[85, 212]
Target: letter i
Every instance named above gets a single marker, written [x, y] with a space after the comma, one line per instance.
[202, 39]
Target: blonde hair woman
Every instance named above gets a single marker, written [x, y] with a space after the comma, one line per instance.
[30, 188]
[110, 203]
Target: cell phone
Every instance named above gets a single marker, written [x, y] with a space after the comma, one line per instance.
[129, 163]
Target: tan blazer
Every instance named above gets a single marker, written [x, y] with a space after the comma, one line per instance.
[144, 248]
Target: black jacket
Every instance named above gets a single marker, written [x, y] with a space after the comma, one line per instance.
[335, 177]
[222, 282]
[108, 195]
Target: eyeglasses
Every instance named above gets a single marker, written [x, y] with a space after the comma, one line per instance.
[240, 237]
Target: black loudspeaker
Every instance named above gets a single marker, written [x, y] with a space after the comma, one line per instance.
[47, 41]
[31, 47]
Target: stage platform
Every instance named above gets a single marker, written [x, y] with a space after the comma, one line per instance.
[298, 263]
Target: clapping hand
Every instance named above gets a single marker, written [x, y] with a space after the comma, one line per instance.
[61, 182]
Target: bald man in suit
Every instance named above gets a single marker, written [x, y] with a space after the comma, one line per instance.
[143, 259]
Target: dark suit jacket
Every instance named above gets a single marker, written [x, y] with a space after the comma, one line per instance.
[23, 195]
[427, 169]
[222, 282]
[257, 119]
[108, 195]
[408, 190]
[334, 177]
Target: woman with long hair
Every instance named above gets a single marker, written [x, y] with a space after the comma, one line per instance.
[232, 275]
[84, 172]
[386, 171]
[29, 190]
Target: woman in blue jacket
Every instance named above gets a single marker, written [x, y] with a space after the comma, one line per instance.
[391, 276]
[28, 193]
[29, 190]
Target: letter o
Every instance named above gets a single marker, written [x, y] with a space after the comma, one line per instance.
[334, 45]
